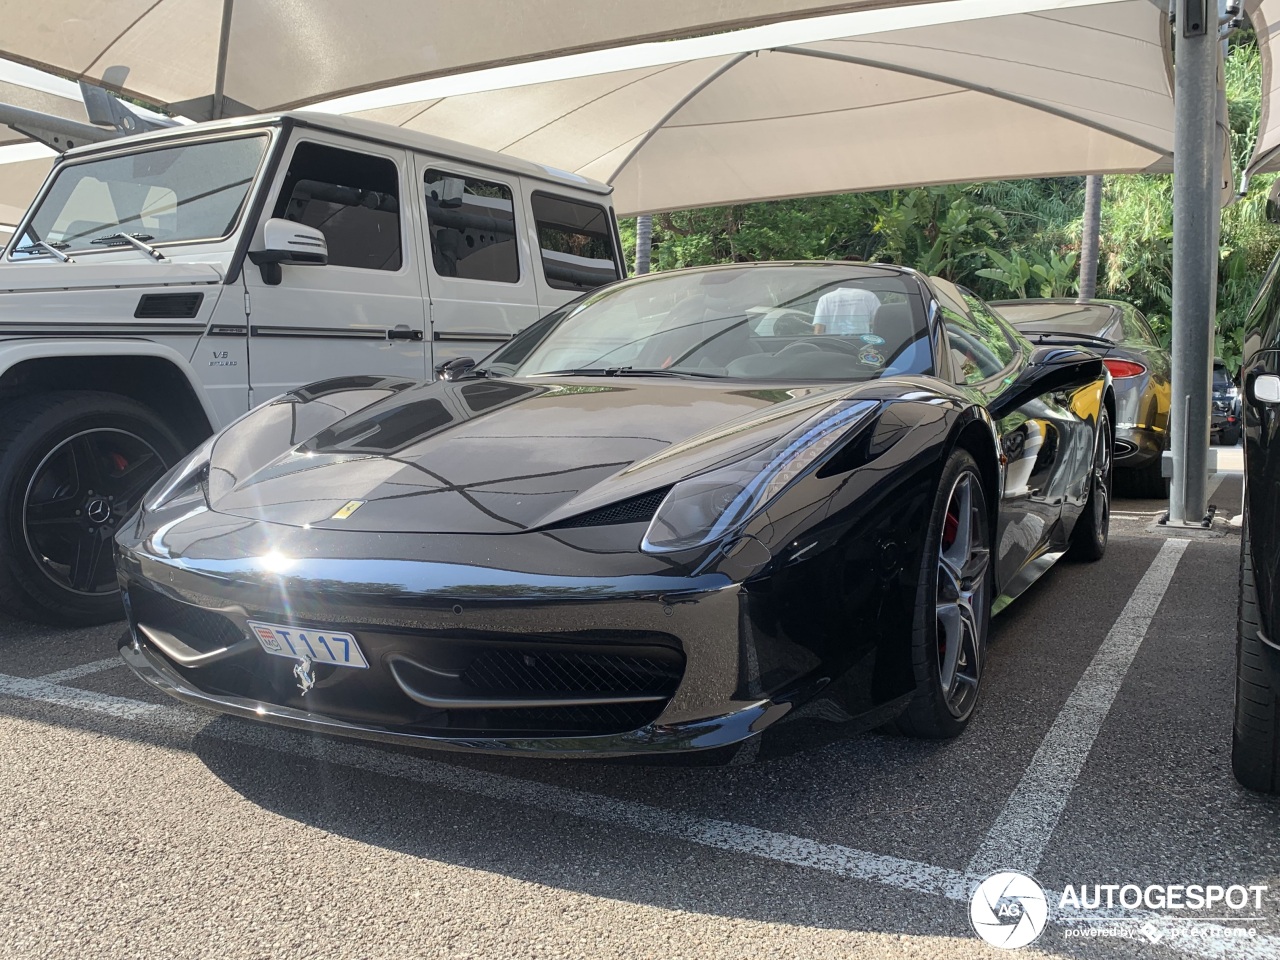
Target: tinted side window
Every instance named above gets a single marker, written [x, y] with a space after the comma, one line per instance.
[473, 228]
[352, 198]
[980, 348]
[576, 242]
[1137, 328]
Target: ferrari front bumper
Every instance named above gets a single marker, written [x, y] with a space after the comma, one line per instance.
[706, 734]
[549, 652]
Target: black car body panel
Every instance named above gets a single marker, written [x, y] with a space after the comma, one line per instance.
[1260, 355]
[1142, 401]
[492, 569]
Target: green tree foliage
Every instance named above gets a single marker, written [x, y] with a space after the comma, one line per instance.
[1009, 238]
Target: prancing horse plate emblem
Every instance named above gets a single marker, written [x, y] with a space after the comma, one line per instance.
[302, 671]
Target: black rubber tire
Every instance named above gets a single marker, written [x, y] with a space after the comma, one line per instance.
[29, 429]
[1143, 483]
[1089, 537]
[1255, 739]
[927, 716]
[1230, 438]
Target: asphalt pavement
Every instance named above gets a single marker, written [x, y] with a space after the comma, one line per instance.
[131, 826]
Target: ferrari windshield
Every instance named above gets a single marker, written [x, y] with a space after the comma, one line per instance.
[183, 192]
[750, 322]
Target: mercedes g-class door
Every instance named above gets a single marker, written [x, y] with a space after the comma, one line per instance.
[363, 311]
[479, 272]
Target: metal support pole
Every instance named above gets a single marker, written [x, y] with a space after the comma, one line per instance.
[1197, 183]
[53, 131]
[1090, 228]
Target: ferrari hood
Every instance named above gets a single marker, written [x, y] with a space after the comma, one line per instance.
[487, 456]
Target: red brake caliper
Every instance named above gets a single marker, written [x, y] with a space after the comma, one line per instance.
[950, 527]
[121, 464]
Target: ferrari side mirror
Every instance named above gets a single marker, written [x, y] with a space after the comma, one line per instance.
[1051, 368]
[455, 369]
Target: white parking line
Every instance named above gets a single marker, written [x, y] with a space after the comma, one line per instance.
[1204, 940]
[83, 670]
[1017, 839]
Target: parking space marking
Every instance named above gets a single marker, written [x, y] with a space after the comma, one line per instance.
[1202, 940]
[83, 670]
[1017, 839]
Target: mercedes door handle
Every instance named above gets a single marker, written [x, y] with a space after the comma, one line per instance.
[402, 332]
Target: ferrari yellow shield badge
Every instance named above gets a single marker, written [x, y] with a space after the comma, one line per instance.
[347, 509]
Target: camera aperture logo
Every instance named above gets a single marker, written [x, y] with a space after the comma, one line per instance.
[1008, 910]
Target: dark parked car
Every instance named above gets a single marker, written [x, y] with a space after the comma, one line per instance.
[1225, 425]
[1255, 752]
[1140, 369]
[639, 526]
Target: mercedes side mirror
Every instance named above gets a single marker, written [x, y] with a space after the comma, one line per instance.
[1051, 368]
[455, 369]
[1265, 388]
[285, 241]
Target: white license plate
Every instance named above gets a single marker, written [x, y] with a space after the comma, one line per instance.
[299, 643]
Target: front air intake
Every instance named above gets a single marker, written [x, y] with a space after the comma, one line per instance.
[635, 510]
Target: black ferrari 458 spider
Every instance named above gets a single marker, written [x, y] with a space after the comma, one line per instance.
[679, 513]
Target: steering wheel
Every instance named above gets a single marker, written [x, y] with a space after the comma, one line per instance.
[792, 323]
[800, 346]
[834, 344]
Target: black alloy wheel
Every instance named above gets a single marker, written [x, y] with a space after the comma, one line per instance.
[74, 466]
[75, 500]
[1093, 526]
[953, 606]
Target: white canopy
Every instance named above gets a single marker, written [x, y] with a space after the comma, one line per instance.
[1265, 15]
[188, 55]
[943, 92]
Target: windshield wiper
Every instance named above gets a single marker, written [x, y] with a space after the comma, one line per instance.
[625, 372]
[136, 240]
[54, 249]
[1052, 337]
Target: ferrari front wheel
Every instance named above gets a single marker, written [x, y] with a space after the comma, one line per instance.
[953, 606]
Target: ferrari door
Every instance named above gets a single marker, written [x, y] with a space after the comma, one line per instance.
[1039, 440]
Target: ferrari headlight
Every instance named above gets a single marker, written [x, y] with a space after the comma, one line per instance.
[183, 479]
[709, 506]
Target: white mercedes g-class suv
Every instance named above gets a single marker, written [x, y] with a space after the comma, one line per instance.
[163, 284]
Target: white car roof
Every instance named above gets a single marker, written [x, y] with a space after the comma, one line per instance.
[362, 130]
